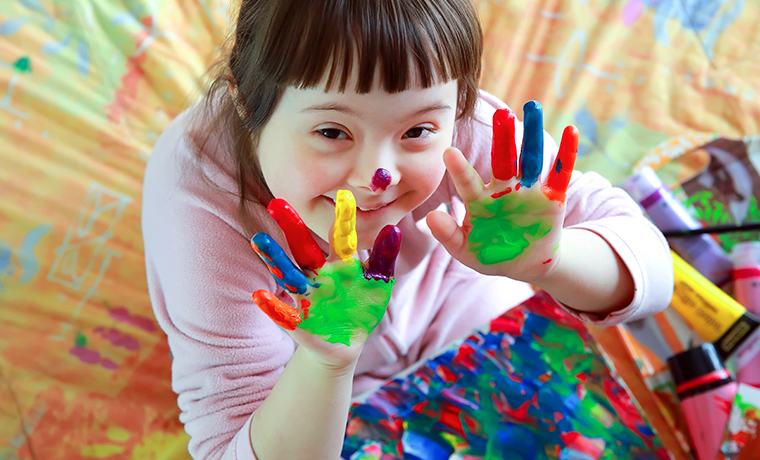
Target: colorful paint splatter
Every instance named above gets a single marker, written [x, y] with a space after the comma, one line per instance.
[533, 386]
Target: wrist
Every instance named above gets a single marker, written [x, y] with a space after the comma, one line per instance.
[342, 365]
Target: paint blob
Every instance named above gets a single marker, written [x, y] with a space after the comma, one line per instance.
[381, 180]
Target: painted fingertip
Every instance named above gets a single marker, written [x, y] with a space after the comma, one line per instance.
[281, 313]
[532, 152]
[503, 147]
[344, 240]
[285, 273]
[300, 240]
[382, 261]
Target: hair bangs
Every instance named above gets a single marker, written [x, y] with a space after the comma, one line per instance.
[388, 43]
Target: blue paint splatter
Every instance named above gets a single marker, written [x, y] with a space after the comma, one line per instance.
[26, 258]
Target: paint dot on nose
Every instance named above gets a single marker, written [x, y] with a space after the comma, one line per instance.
[381, 180]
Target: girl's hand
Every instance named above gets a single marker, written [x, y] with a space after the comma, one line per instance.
[513, 225]
[339, 303]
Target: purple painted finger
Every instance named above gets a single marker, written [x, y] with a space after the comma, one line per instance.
[382, 261]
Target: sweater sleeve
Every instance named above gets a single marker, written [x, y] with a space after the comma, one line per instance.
[227, 354]
[593, 204]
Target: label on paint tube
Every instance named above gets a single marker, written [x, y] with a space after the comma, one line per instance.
[713, 314]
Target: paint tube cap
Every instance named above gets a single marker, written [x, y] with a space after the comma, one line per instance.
[746, 254]
[695, 363]
[643, 184]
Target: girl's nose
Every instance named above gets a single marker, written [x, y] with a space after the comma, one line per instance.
[375, 170]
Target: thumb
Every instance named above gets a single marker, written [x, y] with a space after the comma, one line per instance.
[446, 230]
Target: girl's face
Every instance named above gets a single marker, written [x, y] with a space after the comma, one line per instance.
[319, 142]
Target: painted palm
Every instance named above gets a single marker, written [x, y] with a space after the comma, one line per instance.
[513, 224]
[338, 302]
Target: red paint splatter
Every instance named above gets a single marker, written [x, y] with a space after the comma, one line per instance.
[446, 374]
[497, 195]
[305, 304]
[547, 261]
[511, 326]
[517, 187]
[463, 356]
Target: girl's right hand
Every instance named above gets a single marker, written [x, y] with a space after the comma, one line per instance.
[338, 303]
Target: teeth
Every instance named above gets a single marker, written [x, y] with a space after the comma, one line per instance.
[368, 209]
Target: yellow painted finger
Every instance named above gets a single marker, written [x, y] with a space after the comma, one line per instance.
[344, 230]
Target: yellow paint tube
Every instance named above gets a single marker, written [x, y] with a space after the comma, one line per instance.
[713, 314]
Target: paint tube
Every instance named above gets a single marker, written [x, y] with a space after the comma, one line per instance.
[667, 213]
[706, 391]
[713, 314]
[746, 258]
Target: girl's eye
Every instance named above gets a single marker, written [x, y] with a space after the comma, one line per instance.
[418, 132]
[332, 133]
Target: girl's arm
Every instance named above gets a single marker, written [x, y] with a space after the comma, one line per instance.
[589, 276]
[305, 414]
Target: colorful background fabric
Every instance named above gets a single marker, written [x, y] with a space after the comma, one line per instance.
[86, 86]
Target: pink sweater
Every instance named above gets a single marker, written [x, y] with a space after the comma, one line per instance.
[228, 354]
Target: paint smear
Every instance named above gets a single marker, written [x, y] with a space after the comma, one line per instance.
[30, 265]
[118, 338]
[499, 395]
[504, 228]
[632, 11]
[123, 315]
[346, 304]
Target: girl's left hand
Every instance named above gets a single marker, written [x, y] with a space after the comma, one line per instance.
[513, 225]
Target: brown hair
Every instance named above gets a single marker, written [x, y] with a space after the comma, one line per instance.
[282, 43]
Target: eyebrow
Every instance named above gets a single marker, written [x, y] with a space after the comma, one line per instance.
[434, 107]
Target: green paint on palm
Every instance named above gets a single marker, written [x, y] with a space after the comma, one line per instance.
[346, 304]
[505, 227]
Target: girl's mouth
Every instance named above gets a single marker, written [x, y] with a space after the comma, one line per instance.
[363, 209]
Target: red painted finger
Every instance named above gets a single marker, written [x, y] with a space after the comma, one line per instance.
[503, 147]
[280, 312]
[559, 177]
[305, 249]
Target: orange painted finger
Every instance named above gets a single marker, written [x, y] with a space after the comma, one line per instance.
[503, 147]
[280, 312]
[559, 177]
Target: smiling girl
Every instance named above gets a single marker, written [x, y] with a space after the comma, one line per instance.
[363, 117]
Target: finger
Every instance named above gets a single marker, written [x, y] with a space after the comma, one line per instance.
[282, 269]
[467, 181]
[503, 148]
[446, 230]
[300, 240]
[382, 261]
[281, 313]
[559, 177]
[532, 151]
[344, 230]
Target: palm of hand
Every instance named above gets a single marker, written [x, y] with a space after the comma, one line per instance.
[338, 304]
[514, 224]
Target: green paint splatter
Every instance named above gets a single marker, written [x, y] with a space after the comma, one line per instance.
[23, 65]
[80, 340]
[505, 227]
[346, 304]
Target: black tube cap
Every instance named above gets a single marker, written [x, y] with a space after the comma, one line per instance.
[694, 363]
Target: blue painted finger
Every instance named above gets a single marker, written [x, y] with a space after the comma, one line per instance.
[532, 151]
[280, 266]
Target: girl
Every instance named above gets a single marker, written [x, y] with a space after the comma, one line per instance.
[362, 106]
